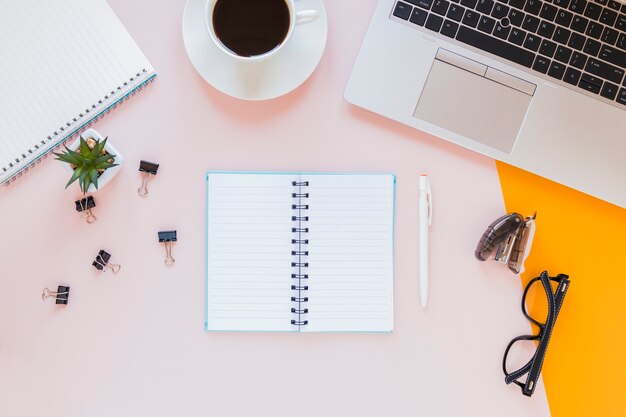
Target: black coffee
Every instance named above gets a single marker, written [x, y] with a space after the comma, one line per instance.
[251, 27]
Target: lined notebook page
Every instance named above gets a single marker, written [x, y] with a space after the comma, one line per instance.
[61, 60]
[249, 252]
[350, 252]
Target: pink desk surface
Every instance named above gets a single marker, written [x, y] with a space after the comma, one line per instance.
[133, 344]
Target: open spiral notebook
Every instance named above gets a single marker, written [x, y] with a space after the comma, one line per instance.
[64, 64]
[300, 252]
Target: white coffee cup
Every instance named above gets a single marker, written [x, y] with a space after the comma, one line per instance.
[295, 18]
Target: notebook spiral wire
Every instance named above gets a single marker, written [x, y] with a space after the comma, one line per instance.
[300, 253]
[80, 123]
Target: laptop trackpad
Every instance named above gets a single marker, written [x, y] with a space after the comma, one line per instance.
[473, 100]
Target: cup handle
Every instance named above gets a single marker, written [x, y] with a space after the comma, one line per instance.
[306, 16]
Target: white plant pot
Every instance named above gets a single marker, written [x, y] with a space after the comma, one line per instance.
[108, 174]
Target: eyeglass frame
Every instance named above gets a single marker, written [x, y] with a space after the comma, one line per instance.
[534, 365]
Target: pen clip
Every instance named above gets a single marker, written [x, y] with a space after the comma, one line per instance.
[425, 188]
[429, 197]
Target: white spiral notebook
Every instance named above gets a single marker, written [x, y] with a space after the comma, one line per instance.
[63, 64]
[299, 252]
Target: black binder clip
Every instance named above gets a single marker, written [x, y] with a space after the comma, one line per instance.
[509, 238]
[167, 238]
[147, 169]
[61, 295]
[101, 263]
[84, 206]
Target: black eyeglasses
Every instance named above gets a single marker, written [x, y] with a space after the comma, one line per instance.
[552, 306]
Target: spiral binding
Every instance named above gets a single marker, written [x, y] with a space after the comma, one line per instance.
[299, 253]
[83, 120]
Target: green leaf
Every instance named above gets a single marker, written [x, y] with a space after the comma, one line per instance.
[101, 159]
[106, 165]
[93, 175]
[67, 158]
[101, 145]
[84, 148]
[83, 174]
[74, 176]
[86, 182]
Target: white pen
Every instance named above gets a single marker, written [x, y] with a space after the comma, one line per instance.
[425, 219]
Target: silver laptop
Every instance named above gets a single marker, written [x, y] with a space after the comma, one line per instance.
[536, 84]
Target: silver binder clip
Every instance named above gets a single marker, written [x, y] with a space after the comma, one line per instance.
[147, 169]
[167, 238]
[61, 295]
[101, 263]
[84, 206]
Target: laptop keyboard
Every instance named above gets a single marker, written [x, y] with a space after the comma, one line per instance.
[579, 42]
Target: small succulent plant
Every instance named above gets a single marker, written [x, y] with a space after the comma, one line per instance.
[88, 162]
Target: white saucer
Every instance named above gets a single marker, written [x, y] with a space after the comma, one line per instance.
[264, 80]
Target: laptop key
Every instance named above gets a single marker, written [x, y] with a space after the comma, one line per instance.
[516, 17]
[593, 86]
[449, 28]
[533, 6]
[588, 78]
[608, 17]
[563, 18]
[609, 35]
[578, 60]
[424, 4]
[532, 42]
[621, 42]
[484, 6]
[546, 29]
[593, 11]
[604, 70]
[495, 46]
[613, 55]
[621, 97]
[517, 36]
[531, 23]
[402, 10]
[471, 18]
[548, 12]
[589, 87]
[517, 3]
[594, 30]
[541, 64]
[456, 12]
[561, 35]
[556, 70]
[615, 5]
[577, 41]
[572, 76]
[578, 6]
[500, 10]
[547, 48]
[418, 16]
[579, 24]
[501, 32]
[592, 47]
[609, 91]
[486, 24]
[434, 22]
[440, 7]
[602, 2]
[563, 54]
